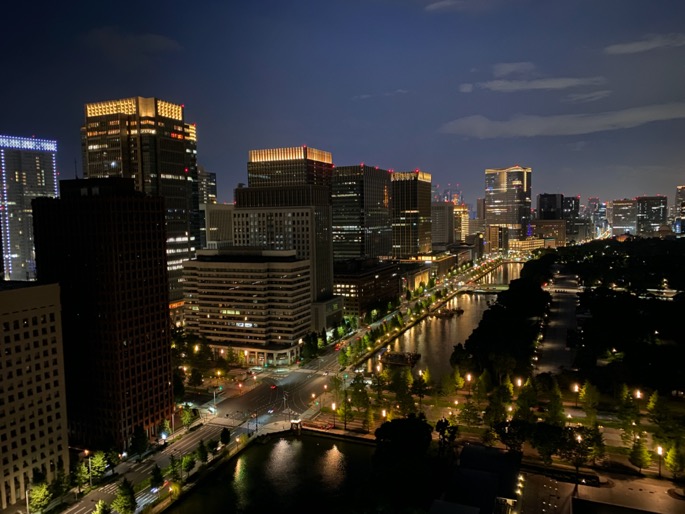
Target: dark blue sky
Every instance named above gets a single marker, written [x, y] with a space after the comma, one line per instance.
[589, 93]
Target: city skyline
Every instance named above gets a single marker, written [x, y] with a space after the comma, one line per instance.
[587, 95]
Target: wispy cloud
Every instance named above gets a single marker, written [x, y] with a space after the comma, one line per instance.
[503, 69]
[463, 5]
[367, 96]
[465, 88]
[129, 50]
[563, 125]
[580, 98]
[649, 42]
[512, 86]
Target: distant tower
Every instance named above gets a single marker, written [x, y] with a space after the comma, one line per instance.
[508, 199]
[651, 214]
[442, 223]
[148, 140]
[104, 243]
[624, 217]
[550, 206]
[411, 214]
[361, 212]
[206, 186]
[28, 170]
[679, 209]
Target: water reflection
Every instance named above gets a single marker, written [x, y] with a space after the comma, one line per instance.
[279, 468]
[333, 467]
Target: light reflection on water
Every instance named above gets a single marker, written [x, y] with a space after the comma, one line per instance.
[333, 468]
[279, 468]
[435, 338]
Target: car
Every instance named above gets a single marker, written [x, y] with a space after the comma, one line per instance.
[274, 386]
[270, 411]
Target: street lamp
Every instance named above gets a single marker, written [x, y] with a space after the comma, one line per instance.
[659, 451]
[468, 381]
[333, 407]
[576, 389]
[90, 469]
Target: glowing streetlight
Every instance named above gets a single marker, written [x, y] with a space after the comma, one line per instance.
[90, 469]
[576, 389]
[659, 451]
[333, 407]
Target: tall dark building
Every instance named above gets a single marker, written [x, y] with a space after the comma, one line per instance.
[679, 210]
[411, 214]
[206, 186]
[361, 212]
[508, 199]
[550, 206]
[28, 170]
[148, 140]
[104, 243]
[287, 206]
[652, 213]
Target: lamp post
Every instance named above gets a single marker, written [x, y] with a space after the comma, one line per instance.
[90, 470]
[576, 389]
[28, 488]
[333, 407]
[468, 381]
[659, 451]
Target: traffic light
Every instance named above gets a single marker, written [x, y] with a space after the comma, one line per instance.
[221, 388]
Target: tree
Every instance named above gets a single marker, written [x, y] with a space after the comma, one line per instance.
[513, 434]
[358, 393]
[195, 379]
[164, 428]
[225, 436]
[201, 452]
[174, 467]
[156, 477]
[178, 385]
[526, 402]
[81, 475]
[495, 412]
[186, 416]
[639, 455]
[628, 414]
[546, 439]
[675, 461]
[40, 496]
[60, 483]
[125, 501]
[419, 388]
[188, 463]
[589, 399]
[212, 446]
[102, 507]
[470, 414]
[139, 442]
[98, 465]
[575, 447]
[555, 407]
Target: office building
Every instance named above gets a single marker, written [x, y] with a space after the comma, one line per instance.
[287, 206]
[218, 224]
[652, 213]
[148, 140]
[461, 222]
[623, 217]
[255, 302]
[361, 212]
[104, 243]
[442, 223]
[550, 206]
[679, 210]
[411, 214]
[496, 239]
[206, 187]
[508, 199]
[33, 404]
[549, 230]
[366, 284]
[28, 170]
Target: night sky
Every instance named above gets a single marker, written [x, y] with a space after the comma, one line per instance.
[589, 93]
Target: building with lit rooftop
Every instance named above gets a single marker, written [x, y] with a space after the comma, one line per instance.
[411, 214]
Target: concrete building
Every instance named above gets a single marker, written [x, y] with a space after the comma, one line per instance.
[508, 199]
[411, 214]
[105, 244]
[366, 284]
[550, 229]
[28, 170]
[623, 217]
[149, 141]
[255, 302]
[550, 206]
[361, 212]
[461, 222]
[218, 223]
[33, 404]
[442, 223]
[496, 239]
[652, 213]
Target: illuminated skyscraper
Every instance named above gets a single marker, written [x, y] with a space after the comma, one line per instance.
[679, 210]
[651, 214]
[148, 140]
[411, 214]
[623, 217]
[508, 199]
[28, 170]
[104, 243]
[361, 212]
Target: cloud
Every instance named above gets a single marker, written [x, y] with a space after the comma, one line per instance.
[649, 42]
[129, 50]
[463, 5]
[367, 96]
[563, 125]
[511, 86]
[587, 97]
[465, 88]
[502, 69]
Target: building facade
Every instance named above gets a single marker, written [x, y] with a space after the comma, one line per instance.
[254, 301]
[623, 217]
[550, 206]
[148, 140]
[366, 284]
[104, 243]
[508, 199]
[411, 214]
[550, 229]
[442, 223]
[33, 403]
[652, 213]
[28, 170]
[361, 212]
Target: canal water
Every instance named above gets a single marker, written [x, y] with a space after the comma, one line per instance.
[287, 474]
[434, 338]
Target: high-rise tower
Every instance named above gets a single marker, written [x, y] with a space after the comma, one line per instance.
[148, 140]
[104, 243]
[411, 214]
[361, 212]
[27, 170]
[508, 199]
[652, 213]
